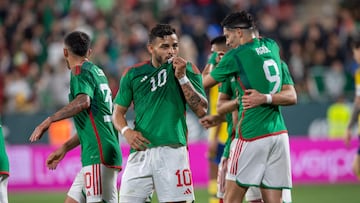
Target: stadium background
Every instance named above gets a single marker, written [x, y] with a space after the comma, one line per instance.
[314, 37]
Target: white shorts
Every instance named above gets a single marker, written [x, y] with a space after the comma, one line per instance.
[163, 169]
[264, 162]
[253, 193]
[3, 188]
[95, 183]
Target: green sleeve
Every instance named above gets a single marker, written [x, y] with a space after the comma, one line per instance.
[82, 84]
[287, 80]
[124, 95]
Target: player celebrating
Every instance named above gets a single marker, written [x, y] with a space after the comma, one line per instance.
[160, 92]
[91, 107]
[261, 129]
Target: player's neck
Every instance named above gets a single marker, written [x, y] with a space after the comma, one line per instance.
[78, 61]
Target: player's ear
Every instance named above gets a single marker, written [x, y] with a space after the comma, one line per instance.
[89, 52]
[150, 48]
[66, 52]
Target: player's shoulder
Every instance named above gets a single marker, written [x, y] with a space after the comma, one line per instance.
[84, 68]
[134, 67]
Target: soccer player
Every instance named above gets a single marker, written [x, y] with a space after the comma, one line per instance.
[218, 134]
[356, 108]
[260, 154]
[160, 89]
[91, 107]
[4, 170]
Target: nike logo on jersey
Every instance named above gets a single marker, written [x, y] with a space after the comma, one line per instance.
[144, 78]
[262, 50]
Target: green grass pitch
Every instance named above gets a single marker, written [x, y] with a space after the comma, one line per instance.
[300, 193]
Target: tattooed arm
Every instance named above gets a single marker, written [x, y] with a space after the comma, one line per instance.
[80, 103]
[194, 99]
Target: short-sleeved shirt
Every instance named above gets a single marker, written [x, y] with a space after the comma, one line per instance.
[258, 66]
[98, 138]
[158, 100]
[4, 160]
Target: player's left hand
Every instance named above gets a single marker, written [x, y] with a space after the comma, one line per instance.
[179, 65]
[54, 158]
[209, 121]
[40, 130]
[252, 98]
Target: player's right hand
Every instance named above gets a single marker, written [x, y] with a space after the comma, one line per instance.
[40, 130]
[136, 140]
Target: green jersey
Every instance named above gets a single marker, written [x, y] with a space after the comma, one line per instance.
[159, 103]
[258, 66]
[4, 160]
[229, 87]
[98, 138]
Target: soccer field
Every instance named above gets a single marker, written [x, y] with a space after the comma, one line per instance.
[301, 194]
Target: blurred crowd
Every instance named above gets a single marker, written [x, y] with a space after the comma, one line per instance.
[33, 74]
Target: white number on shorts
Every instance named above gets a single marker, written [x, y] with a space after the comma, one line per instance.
[272, 78]
[161, 80]
[184, 177]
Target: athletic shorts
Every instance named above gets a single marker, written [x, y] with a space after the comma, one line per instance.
[164, 169]
[95, 183]
[253, 193]
[3, 188]
[264, 162]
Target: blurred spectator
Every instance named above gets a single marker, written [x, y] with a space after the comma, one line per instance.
[338, 117]
[31, 33]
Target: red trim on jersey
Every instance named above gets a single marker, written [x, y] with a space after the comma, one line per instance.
[77, 69]
[195, 68]
[4, 173]
[99, 142]
[262, 136]
[241, 84]
[135, 66]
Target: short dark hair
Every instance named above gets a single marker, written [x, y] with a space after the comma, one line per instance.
[242, 19]
[77, 42]
[160, 30]
[218, 40]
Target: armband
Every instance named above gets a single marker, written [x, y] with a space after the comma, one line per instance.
[124, 129]
[268, 98]
[184, 80]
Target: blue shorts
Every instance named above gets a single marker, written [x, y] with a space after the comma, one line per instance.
[219, 153]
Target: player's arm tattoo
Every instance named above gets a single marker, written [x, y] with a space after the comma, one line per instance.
[80, 103]
[195, 100]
